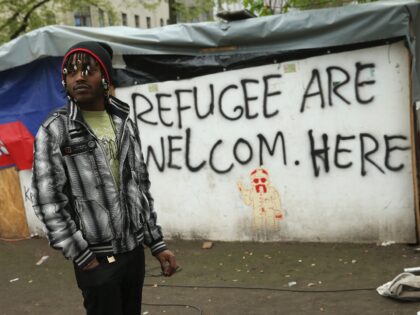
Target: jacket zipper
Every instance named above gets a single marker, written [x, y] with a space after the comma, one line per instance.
[112, 175]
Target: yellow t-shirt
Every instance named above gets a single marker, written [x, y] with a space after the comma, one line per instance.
[101, 124]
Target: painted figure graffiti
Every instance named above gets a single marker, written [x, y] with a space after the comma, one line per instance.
[264, 200]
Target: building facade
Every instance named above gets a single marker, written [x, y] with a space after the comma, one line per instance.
[145, 14]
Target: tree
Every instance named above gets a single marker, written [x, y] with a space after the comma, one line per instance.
[262, 7]
[318, 4]
[190, 10]
[269, 7]
[20, 16]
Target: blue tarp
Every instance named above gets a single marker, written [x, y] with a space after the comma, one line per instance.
[29, 92]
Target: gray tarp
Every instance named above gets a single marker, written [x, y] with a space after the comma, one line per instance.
[299, 30]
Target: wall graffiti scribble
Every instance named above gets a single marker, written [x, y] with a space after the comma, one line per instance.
[315, 86]
[28, 194]
[171, 147]
[217, 112]
[369, 152]
[180, 106]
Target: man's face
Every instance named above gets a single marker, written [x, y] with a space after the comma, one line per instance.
[84, 80]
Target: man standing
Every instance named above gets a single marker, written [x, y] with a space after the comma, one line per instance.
[91, 187]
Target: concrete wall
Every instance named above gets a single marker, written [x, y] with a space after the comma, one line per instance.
[332, 133]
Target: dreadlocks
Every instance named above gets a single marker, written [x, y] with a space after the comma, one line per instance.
[84, 62]
[80, 61]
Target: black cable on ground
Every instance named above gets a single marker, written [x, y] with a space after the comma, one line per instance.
[186, 286]
[153, 275]
[158, 274]
[255, 288]
[176, 305]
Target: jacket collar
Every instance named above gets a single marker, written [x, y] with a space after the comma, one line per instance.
[114, 106]
[118, 107]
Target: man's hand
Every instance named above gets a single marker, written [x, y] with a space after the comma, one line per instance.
[167, 262]
[92, 264]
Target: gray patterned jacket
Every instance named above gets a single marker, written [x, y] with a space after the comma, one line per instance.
[75, 194]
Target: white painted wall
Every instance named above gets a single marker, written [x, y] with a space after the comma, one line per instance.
[339, 205]
[34, 224]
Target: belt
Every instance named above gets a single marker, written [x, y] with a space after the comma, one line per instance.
[107, 259]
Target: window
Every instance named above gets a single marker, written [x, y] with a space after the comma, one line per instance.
[161, 22]
[110, 19]
[101, 18]
[148, 22]
[124, 19]
[82, 17]
[137, 20]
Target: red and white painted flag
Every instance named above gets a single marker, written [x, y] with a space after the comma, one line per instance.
[16, 146]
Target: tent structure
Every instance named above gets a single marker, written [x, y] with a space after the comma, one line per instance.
[30, 85]
[187, 50]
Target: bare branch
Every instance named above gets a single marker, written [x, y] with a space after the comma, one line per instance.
[25, 21]
[9, 20]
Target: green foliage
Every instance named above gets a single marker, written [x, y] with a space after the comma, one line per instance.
[187, 11]
[268, 7]
[319, 4]
[150, 5]
[20, 16]
[192, 10]
[258, 7]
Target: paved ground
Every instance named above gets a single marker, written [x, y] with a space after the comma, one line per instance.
[230, 278]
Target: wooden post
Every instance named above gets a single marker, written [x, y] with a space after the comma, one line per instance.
[13, 223]
[414, 142]
[414, 168]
